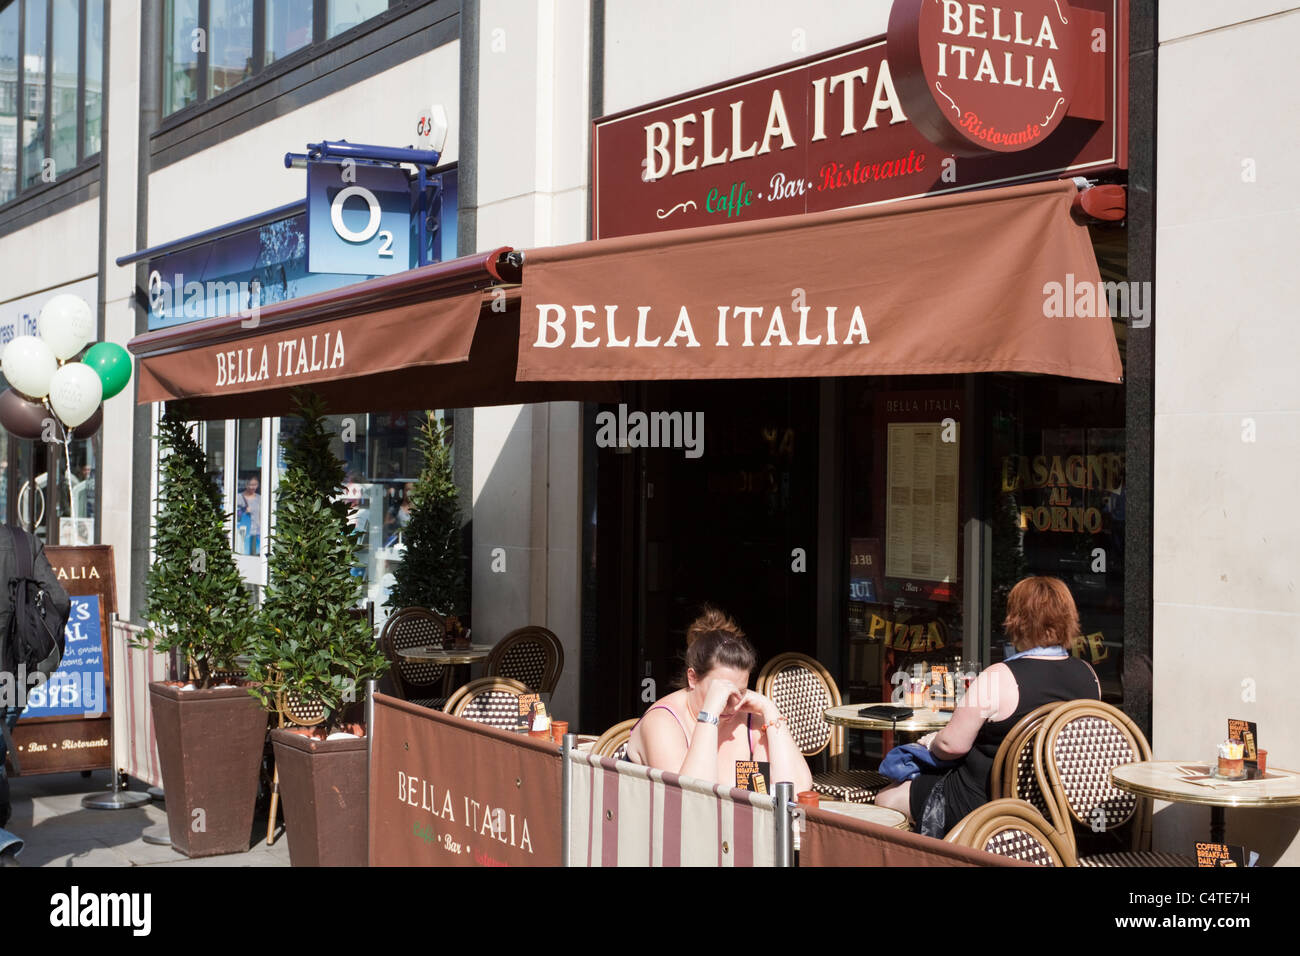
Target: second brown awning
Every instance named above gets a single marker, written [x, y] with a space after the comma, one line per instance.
[951, 284]
[427, 338]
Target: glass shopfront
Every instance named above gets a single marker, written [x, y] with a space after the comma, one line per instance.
[381, 461]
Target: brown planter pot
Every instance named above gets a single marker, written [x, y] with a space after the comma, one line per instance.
[210, 744]
[323, 785]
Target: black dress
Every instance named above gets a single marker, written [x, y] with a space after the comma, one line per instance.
[966, 786]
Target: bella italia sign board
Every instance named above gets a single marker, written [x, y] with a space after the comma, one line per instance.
[957, 95]
[448, 792]
[66, 725]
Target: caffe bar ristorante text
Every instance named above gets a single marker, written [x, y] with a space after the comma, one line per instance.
[1038, 94]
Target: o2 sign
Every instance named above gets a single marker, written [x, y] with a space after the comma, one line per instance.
[358, 219]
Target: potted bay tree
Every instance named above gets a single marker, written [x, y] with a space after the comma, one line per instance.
[314, 653]
[432, 571]
[211, 733]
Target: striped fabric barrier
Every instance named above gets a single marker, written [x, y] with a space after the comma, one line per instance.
[623, 814]
[134, 744]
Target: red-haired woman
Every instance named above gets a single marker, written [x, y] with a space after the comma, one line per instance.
[715, 721]
[1042, 623]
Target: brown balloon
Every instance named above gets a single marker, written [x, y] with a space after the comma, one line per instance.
[91, 425]
[21, 417]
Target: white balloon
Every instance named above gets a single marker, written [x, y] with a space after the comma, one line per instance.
[67, 324]
[75, 393]
[29, 364]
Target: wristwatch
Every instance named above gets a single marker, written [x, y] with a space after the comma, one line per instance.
[705, 717]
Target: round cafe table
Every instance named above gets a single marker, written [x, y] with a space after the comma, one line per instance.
[437, 654]
[883, 816]
[449, 657]
[921, 721]
[1167, 780]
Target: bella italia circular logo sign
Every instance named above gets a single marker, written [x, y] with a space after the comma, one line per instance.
[983, 77]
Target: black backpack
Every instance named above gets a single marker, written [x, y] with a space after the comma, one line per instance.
[40, 611]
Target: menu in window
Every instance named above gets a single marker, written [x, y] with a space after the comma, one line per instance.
[921, 506]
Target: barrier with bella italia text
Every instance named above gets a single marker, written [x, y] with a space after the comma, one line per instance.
[445, 791]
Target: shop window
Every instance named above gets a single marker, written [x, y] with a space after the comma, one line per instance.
[75, 501]
[212, 48]
[8, 101]
[905, 512]
[63, 89]
[1056, 506]
[230, 44]
[343, 15]
[182, 44]
[50, 109]
[34, 61]
[92, 118]
[249, 493]
[288, 27]
[214, 451]
[38, 491]
[381, 461]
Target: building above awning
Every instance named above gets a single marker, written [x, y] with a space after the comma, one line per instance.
[441, 336]
[975, 282]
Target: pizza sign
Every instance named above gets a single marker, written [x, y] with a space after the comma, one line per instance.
[977, 78]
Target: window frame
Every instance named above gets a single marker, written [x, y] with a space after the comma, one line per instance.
[83, 160]
[317, 45]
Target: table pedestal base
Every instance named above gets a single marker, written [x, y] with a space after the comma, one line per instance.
[1216, 824]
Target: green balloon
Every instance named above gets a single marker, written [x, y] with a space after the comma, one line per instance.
[111, 363]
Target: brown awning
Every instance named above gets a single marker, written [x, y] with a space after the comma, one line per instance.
[427, 338]
[951, 284]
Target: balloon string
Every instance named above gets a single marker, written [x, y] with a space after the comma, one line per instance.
[67, 470]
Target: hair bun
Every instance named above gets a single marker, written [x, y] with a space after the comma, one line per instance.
[712, 621]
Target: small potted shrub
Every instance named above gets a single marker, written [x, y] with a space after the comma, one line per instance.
[432, 571]
[211, 733]
[314, 653]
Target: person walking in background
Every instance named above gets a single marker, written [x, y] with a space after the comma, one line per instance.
[248, 517]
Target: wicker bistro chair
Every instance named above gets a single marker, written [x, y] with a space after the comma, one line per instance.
[489, 700]
[417, 682]
[613, 742]
[1073, 756]
[1014, 829]
[1013, 774]
[802, 689]
[532, 655]
[299, 711]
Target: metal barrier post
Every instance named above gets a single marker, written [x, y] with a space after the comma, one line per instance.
[119, 798]
[783, 835]
[569, 742]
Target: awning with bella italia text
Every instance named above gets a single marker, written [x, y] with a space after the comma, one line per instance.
[976, 282]
[441, 336]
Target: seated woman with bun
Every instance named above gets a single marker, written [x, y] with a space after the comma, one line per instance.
[713, 722]
[1042, 622]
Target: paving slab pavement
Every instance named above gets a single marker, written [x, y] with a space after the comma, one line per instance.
[59, 831]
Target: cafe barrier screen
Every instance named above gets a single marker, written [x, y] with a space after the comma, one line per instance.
[623, 814]
[134, 669]
[835, 839]
[448, 792]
